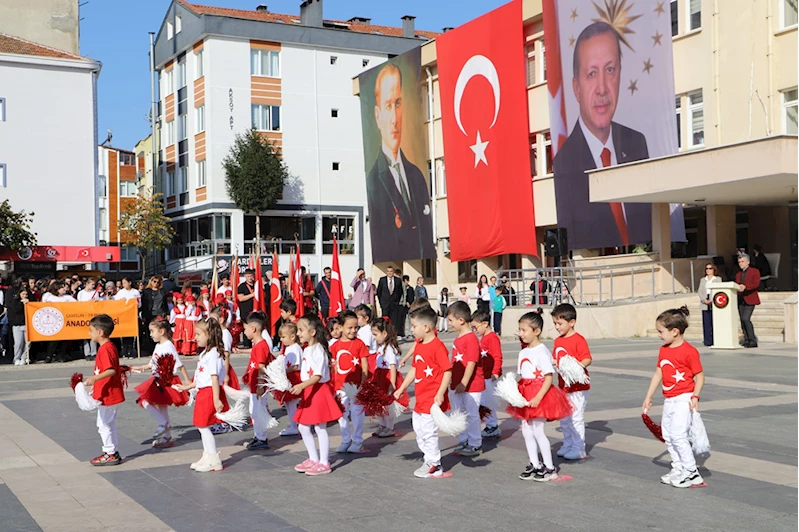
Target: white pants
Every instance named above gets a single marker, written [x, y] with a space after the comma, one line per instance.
[259, 411]
[89, 348]
[291, 409]
[468, 402]
[387, 421]
[19, 343]
[160, 414]
[107, 427]
[535, 439]
[675, 423]
[427, 437]
[573, 427]
[489, 401]
[351, 423]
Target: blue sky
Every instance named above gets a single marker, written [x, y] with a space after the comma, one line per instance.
[115, 33]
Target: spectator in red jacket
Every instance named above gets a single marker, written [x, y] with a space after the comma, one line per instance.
[748, 280]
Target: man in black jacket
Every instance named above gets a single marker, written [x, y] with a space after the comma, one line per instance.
[405, 304]
[389, 294]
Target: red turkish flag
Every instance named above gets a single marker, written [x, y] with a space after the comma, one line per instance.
[557, 126]
[296, 284]
[483, 82]
[259, 286]
[336, 289]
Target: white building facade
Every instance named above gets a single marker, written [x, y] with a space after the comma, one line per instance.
[48, 139]
[222, 71]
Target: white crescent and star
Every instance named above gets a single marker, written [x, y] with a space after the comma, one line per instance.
[339, 369]
[667, 362]
[459, 357]
[477, 65]
[276, 282]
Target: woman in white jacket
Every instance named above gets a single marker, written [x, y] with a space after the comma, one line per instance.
[711, 276]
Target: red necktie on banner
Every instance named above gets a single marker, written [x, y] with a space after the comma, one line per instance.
[616, 208]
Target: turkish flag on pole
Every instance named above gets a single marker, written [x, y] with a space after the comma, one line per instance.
[483, 82]
[557, 127]
[336, 289]
[276, 295]
[259, 286]
[296, 282]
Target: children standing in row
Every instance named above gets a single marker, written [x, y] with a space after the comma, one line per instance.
[293, 353]
[467, 378]
[351, 365]
[260, 356]
[683, 378]
[317, 407]
[491, 361]
[570, 342]
[431, 372]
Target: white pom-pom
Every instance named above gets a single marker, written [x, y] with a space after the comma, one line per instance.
[507, 389]
[262, 420]
[396, 410]
[698, 435]
[234, 395]
[274, 377]
[84, 398]
[237, 416]
[192, 395]
[452, 424]
[350, 390]
[571, 371]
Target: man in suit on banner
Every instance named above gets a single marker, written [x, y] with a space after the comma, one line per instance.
[598, 142]
[396, 190]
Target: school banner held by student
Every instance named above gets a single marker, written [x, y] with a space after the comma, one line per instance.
[48, 322]
[482, 80]
[395, 160]
[610, 78]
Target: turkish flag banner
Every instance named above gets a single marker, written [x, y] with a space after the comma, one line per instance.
[483, 84]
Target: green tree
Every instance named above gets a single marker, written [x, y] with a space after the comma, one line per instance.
[254, 174]
[15, 228]
[144, 225]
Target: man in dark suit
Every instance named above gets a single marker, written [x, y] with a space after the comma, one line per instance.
[596, 142]
[396, 190]
[748, 280]
[389, 293]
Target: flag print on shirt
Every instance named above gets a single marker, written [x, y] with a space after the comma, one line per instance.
[679, 366]
[430, 362]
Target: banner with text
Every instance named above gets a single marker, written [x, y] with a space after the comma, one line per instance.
[48, 322]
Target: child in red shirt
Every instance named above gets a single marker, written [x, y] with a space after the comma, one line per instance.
[491, 362]
[466, 388]
[570, 342]
[350, 364]
[434, 371]
[683, 378]
[106, 384]
[260, 356]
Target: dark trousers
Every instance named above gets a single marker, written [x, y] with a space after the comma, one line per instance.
[402, 313]
[498, 323]
[707, 327]
[325, 310]
[746, 323]
[128, 347]
[483, 305]
[56, 351]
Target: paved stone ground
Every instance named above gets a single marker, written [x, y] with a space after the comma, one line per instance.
[749, 406]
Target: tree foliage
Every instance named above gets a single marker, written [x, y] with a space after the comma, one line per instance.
[254, 172]
[15, 228]
[144, 225]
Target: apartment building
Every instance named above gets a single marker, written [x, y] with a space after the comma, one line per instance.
[222, 71]
[117, 189]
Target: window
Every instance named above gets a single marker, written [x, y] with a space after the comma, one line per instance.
[336, 166]
[467, 272]
[695, 14]
[429, 270]
[675, 18]
[103, 186]
[178, 24]
[170, 81]
[200, 118]
[333, 59]
[543, 61]
[696, 117]
[200, 67]
[103, 219]
[170, 133]
[678, 105]
[202, 180]
[534, 155]
[789, 13]
[365, 62]
[789, 104]
[548, 152]
[170, 183]
[170, 31]
[343, 227]
[184, 178]
[441, 173]
[2, 109]
[127, 159]
[265, 63]
[128, 254]
[127, 189]
[334, 113]
[181, 74]
[3, 182]
[531, 73]
[182, 127]
[266, 117]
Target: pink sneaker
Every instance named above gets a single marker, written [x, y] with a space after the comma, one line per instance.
[318, 469]
[305, 466]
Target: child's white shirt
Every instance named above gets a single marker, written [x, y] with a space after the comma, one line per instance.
[293, 355]
[365, 335]
[314, 362]
[386, 356]
[535, 362]
[227, 340]
[161, 349]
[209, 363]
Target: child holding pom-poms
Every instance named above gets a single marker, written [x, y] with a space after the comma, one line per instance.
[157, 393]
[386, 376]
[544, 401]
[293, 353]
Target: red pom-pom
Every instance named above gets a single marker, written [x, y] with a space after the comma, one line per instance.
[373, 399]
[76, 378]
[246, 378]
[484, 412]
[124, 371]
[165, 366]
[653, 427]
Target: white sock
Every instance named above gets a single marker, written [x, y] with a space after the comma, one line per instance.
[543, 442]
[307, 439]
[531, 444]
[209, 444]
[324, 443]
[164, 409]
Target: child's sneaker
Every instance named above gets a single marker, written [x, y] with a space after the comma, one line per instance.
[160, 430]
[257, 444]
[163, 443]
[491, 432]
[575, 454]
[529, 472]
[221, 428]
[428, 471]
[305, 466]
[106, 459]
[318, 469]
[289, 432]
[563, 450]
[460, 446]
[545, 474]
[385, 432]
[688, 479]
[355, 448]
[378, 431]
[344, 447]
[470, 451]
[674, 474]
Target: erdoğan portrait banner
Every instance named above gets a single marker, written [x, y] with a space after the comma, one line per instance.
[610, 78]
[482, 81]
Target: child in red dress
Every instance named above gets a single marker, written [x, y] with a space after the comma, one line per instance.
[318, 406]
[177, 317]
[106, 384]
[193, 316]
[386, 375]
[546, 403]
[293, 353]
[205, 303]
[211, 399]
[157, 393]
